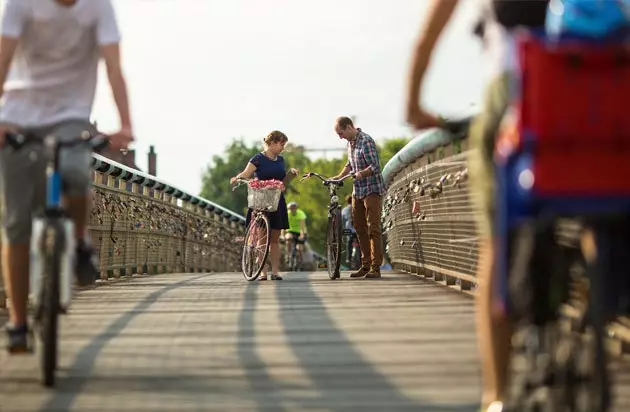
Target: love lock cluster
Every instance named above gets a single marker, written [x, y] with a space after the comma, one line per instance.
[417, 188]
[134, 213]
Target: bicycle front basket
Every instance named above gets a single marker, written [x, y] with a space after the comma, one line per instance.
[266, 199]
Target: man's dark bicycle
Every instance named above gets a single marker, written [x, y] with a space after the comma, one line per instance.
[258, 236]
[333, 232]
[53, 241]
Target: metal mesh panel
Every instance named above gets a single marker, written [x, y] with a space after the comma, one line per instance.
[135, 233]
[439, 237]
[438, 234]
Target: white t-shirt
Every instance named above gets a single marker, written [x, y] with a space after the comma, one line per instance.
[54, 71]
[499, 45]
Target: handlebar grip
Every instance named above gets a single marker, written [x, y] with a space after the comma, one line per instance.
[99, 143]
[457, 126]
[15, 140]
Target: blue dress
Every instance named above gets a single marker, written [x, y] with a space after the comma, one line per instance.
[267, 169]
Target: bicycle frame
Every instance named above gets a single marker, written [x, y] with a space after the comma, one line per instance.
[52, 247]
[254, 217]
[333, 230]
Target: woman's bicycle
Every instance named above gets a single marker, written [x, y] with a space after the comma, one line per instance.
[52, 243]
[334, 237]
[258, 236]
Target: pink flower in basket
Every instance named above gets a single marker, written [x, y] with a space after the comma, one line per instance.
[266, 184]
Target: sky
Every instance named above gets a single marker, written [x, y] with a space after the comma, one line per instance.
[203, 72]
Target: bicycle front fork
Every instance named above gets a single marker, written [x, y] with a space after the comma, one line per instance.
[41, 246]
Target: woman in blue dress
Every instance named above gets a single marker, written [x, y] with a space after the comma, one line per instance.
[269, 165]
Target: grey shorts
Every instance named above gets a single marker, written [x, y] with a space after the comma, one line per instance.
[23, 180]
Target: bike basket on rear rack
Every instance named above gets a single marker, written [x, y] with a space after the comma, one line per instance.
[266, 199]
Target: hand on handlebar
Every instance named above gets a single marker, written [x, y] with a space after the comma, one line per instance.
[121, 140]
[4, 129]
[420, 118]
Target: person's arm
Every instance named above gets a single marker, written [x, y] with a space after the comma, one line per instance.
[11, 28]
[303, 226]
[247, 172]
[440, 11]
[370, 155]
[344, 172]
[108, 37]
[290, 175]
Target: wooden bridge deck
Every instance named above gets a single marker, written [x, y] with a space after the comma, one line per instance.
[213, 342]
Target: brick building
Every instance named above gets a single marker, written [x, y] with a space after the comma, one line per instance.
[128, 159]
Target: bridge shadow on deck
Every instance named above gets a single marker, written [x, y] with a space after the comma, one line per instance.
[343, 379]
[69, 388]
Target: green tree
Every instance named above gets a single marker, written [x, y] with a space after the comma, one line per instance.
[215, 181]
[388, 148]
[311, 195]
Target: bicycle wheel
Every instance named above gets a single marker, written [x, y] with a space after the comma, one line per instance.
[256, 247]
[293, 260]
[50, 302]
[333, 243]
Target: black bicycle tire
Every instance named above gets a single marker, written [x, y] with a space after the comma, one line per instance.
[50, 302]
[299, 260]
[334, 228]
[293, 259]
[246, 250]
[601, 385]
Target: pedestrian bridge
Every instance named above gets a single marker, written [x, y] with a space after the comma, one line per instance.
[172, 325]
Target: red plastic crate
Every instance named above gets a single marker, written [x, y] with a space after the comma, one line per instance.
[575, 107]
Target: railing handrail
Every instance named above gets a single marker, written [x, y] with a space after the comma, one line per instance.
[101, 163]
[427, 141]
[108, 166]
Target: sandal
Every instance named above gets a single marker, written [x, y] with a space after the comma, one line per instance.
[495, 406]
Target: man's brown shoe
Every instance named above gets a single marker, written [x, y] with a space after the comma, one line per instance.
[373, 274]
[359, 273]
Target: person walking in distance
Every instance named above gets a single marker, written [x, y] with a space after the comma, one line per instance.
[367, 195]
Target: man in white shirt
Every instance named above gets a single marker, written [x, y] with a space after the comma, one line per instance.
[49, 56]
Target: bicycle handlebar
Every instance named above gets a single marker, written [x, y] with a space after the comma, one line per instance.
[458, 127]
[97, 142]
[324, 179]
[239, 182]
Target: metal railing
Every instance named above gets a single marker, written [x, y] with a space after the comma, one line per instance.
[428, 220]
[437, 237]
[140, 224]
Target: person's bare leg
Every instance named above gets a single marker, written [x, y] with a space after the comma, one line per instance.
[493, 331]
[78, 209]
[15, 270]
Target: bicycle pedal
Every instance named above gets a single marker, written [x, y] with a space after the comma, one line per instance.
[21, 351]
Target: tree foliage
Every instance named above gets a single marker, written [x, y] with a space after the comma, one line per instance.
[310, 195]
